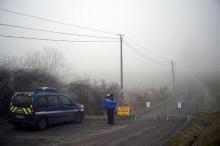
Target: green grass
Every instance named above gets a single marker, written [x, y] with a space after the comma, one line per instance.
[211, 136]
[201, 131]
[95, 117]
[104, 117]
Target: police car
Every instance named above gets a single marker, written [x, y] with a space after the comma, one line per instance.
[43, 107]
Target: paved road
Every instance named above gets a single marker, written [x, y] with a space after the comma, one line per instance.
[93, 133]
[139, 133]
[54, 135]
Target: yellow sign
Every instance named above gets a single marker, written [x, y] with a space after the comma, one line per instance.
[123, 110]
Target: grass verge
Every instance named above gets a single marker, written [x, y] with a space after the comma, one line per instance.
[201, 131]
[95, 117]
[104, 117]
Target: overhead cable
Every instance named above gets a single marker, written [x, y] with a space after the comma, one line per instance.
[143, 55]
[57, 32]
[146, 49]
[55, 40]
[55, 21]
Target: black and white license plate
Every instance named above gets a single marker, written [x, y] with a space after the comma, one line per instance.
[19, 116]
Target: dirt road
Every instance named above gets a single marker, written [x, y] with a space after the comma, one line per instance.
[93, 133]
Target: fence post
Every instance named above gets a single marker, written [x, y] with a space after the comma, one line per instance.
[188, 119]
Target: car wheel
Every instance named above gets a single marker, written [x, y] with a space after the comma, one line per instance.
[78, 118]
[42, 124]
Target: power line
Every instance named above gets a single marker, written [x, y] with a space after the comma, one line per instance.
[57, 32]
[143, 55]
[45, 39]
[55, 21]
[145, 49]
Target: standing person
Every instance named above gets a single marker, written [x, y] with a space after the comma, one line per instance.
[109, 105]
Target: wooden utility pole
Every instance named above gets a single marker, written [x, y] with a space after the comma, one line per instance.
[121, 67]
[173, 73]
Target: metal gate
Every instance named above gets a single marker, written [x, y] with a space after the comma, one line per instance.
[171, 110]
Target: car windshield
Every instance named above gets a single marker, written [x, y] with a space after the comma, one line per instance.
[21, 101]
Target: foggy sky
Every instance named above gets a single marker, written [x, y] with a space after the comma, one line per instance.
[186, 31]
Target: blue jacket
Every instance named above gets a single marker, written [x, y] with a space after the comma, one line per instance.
[109, 103]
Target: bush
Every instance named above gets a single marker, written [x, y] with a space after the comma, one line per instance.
[91, 94]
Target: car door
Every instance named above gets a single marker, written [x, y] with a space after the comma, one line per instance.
[41, 107]
[67, 108]
[54, 112]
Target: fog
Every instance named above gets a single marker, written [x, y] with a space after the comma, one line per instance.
[184, 31]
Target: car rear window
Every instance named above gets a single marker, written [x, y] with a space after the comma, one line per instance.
[21, 101]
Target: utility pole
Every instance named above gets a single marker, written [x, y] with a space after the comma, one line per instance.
[173, 73]
[121, 67]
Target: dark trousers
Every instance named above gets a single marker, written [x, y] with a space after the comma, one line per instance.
[110, 114]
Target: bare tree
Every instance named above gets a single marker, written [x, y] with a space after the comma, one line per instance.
[50, 60]
[10, 62]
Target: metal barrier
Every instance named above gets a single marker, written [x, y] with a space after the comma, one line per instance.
[158, 110]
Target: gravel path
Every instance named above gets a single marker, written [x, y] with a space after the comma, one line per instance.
[93, 133]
